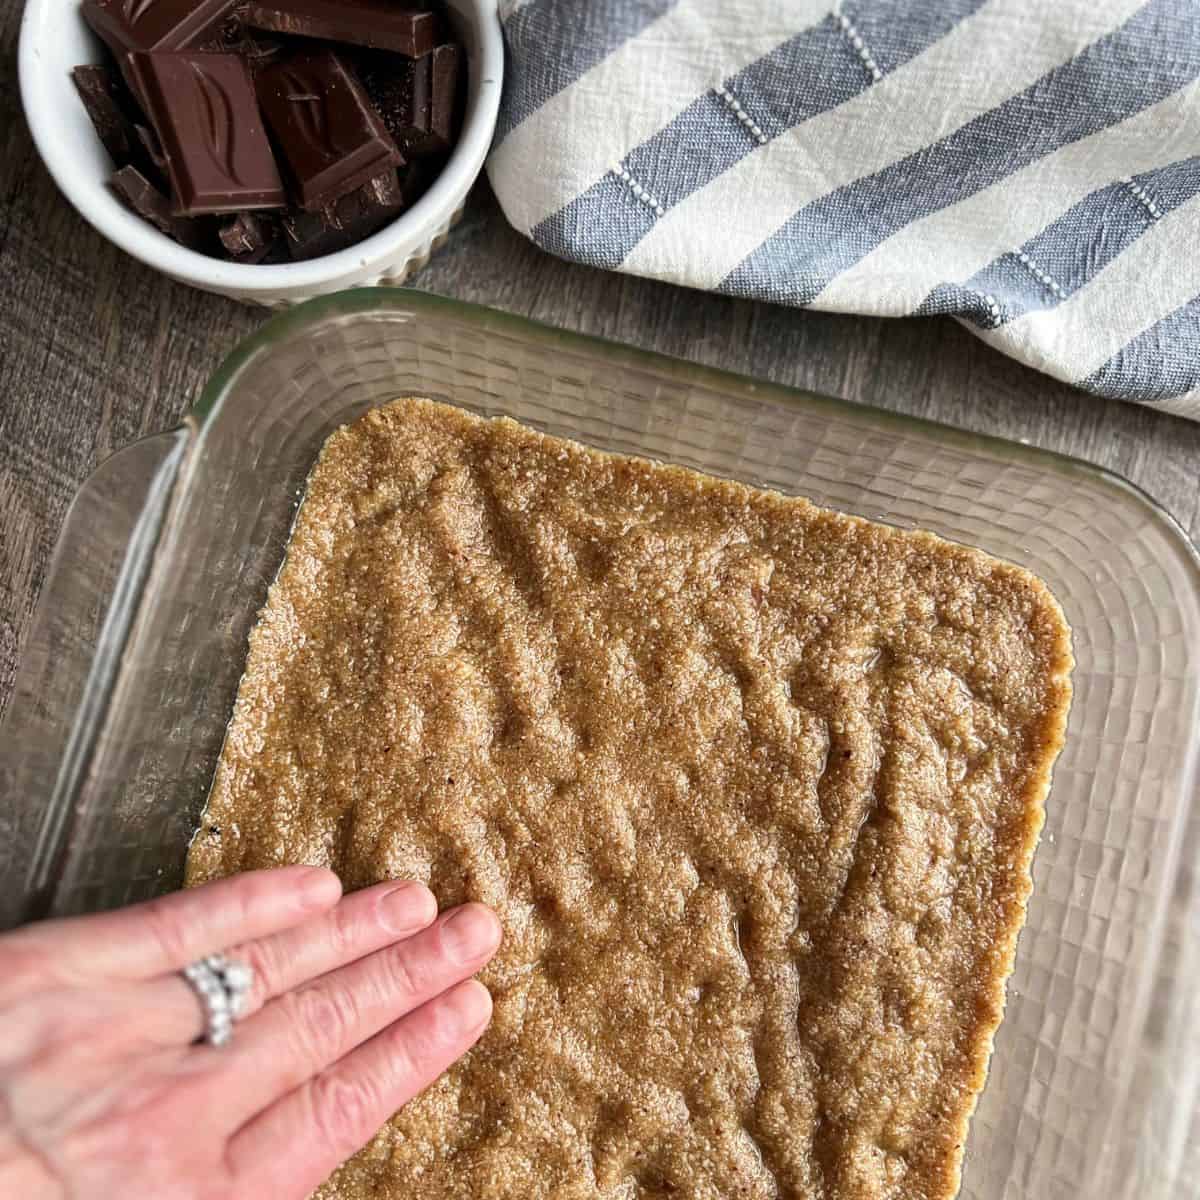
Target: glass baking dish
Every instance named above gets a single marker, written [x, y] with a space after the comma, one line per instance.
[131, 667]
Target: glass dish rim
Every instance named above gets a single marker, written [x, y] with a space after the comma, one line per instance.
[366, 300]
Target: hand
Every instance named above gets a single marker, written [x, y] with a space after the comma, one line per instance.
[359, 1002]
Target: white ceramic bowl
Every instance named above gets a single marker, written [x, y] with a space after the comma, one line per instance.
[54, 38]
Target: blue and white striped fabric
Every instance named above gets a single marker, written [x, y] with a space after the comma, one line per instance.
[1031, 168]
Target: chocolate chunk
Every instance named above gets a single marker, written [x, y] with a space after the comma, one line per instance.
[152, 147]
[248, 237]
[232, 36]
[277, 252]
[355, 216]
[204, 112]
[417, 98]
[101, 94]
[149, 203]
[443, 94]
[417, 178]
[115, 115]
[129, 25]
[374, 204]
[310, 235]
[384, 24]
[399, 89]
[329, 135]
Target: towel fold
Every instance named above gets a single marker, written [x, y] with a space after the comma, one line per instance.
[1031, 169]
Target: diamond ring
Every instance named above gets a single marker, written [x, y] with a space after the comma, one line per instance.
[222, 985]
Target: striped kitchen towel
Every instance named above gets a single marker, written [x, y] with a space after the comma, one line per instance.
[1032, 168]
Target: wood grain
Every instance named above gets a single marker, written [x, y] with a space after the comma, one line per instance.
[96, 350]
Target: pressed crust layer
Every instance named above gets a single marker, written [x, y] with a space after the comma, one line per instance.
[753, 786]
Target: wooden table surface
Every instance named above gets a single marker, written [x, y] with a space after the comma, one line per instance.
[96, 350]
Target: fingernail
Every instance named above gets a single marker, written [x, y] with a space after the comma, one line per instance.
[318, 887]
[407, 908]
[469, 933]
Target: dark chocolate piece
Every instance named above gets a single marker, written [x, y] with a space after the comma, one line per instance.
[328, 133]
[372, 206]
[204, 112]
[102, 97]
[232, 36]
[383, 24]
[152, 147]
[149, 203]
[276, 253]
[399, 89]
[115, 115]
[311, 235]
[355, 216]
[443, 93]
[248, 237]
[129, 25]
[417, 98]
[417, 178]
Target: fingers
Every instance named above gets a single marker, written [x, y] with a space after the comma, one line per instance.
[297, 1142]
[304, 1031]
[362, 923]
[359, 924]
[166, 934]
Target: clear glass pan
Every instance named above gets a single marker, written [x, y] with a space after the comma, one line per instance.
[131, 667]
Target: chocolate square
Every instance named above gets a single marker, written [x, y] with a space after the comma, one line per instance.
[384, 24]
[204, 112]
[355, 216]
[248, 237]
[417, 98]
[328, 133]
[132, 25]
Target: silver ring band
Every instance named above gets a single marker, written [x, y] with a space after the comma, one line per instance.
[222, 985]
[237, 977]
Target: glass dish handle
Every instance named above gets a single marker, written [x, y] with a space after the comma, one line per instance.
[70, 660]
